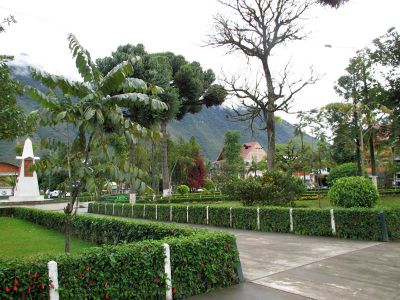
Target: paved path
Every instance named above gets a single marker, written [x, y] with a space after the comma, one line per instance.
[285, 266]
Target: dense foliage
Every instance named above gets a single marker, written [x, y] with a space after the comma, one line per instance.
[200, 261]
[344, 170]
[353, 192]
[273, 188]
[351, 223]
[182, 189]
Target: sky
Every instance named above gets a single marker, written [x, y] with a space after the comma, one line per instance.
[181, 26]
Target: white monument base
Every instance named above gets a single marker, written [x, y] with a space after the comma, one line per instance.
[26, 198]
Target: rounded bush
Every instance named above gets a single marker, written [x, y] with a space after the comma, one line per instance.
[273, 188]
[353, 191]
[182, 189]
[344, 170]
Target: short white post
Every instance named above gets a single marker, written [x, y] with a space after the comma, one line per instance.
[170, 213]
[187, 214]
[53, 278]
[291, 220]
[122, 213]
[113, 208]
[156, 212]
[132, 198]
[167, 267]
[207, 214]
[144, 211]
[258, 218]
[333, 222]
[230, 216]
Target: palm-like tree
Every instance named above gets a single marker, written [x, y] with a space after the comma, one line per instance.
[92, 109]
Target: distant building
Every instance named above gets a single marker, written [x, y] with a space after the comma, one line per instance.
[252, 153]
[7, 170]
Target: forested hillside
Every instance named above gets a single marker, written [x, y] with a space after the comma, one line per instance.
[208, 126]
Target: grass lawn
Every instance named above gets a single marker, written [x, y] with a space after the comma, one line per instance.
[383, 202]
[22, 238]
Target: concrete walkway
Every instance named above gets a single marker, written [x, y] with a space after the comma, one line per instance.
[285, 266]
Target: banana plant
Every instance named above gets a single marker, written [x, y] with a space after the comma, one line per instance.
[89, 111]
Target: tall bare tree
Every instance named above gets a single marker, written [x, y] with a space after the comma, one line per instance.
[256, 30]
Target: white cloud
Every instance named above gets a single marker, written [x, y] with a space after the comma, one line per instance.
[180, 26]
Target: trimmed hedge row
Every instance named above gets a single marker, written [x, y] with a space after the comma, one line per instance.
[350, 223]
[129, 264]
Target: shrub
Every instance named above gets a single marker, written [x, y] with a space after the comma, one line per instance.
[353, 192]
[273, 188]
[209, 185]
[182, 189]
[230, 186]
[344, 170]
[351, 223]
[200, 260]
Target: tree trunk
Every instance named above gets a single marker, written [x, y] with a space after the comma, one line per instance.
[164, 158]
[68, 233]
[270, 122]
[132, 159]
[372, 154]
[357, 156]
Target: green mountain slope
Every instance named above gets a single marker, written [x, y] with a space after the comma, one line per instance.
[208, 126]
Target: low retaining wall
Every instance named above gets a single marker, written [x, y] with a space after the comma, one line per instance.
[138, 260]
[354, 223]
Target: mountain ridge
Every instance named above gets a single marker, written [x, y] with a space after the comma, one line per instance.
[208, 126]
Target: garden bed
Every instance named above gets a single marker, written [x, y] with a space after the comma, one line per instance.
[130, 264]
[355, 223]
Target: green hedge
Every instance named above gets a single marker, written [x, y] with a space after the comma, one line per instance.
[354, 223]
[132, 269]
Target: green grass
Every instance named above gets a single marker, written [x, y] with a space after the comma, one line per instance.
[20, 238]
[383, 202]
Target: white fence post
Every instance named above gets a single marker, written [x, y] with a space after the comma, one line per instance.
[333, 222]
[156, 212]
[113, 208]
[187, 214]
[53, 278]
[230, 216]
[170, 213]
[207, 214]
[167, 267]
[291, 220]
[144, 211]
[258, 218]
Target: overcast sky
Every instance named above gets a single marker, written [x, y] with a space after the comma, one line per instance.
[181, 26]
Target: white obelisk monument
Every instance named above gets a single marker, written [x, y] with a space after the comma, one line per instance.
[27, 187]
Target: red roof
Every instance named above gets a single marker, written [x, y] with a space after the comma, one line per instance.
[250, 149]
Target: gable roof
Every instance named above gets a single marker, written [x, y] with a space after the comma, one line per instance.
[249, 150]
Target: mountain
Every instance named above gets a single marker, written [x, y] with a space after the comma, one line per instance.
[208, 126]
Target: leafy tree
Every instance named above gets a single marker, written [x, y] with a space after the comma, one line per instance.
[233, 162]
[257, 29]
[385, 54]
[197, 174]
[187, 87]
[92, 108]
[360, 87]
[14, 122]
